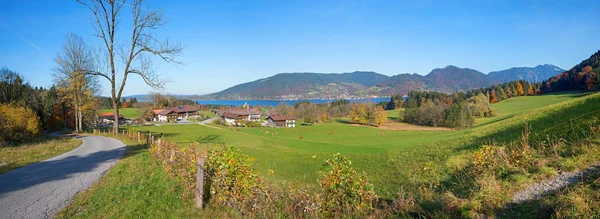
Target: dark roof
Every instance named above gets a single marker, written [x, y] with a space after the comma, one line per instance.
[282, 118]
[230, 115]
[238, 112]
[110, 115]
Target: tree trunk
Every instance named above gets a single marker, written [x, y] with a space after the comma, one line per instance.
[76, 114]
[80, 120]
[116, 121]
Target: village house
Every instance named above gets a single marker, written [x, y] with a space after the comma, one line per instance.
[176, 113]
[109, 118]
[281, 121]
[155, 113]
[232, 115]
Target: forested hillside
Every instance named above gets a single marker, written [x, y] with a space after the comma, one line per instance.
[367, 84]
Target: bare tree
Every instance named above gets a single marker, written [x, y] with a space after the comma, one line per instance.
[133, 56]
[76, 88]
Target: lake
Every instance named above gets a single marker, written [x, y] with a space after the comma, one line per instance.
[277, 102]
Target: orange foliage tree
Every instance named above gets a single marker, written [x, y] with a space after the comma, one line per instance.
[520, 91]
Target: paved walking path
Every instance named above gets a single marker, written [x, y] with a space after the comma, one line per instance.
[42, 189]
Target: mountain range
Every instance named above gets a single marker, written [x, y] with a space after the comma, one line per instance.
[370, 84]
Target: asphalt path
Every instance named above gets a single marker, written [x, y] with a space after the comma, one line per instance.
[42, 189]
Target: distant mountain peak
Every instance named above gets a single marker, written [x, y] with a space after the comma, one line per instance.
[537, 73]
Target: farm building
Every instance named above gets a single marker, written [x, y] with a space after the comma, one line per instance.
[281, 121]
[155, 113]
[232, 115]
[177, 113]
[109, 118]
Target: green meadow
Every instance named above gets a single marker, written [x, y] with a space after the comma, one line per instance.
[392, 160]
[131, 113]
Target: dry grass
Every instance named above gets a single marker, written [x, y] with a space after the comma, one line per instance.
[21, 155]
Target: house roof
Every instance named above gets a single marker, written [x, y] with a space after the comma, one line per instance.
[110, 115]
[231, 115]
[178, 109]
[156, 111]
[282, 118]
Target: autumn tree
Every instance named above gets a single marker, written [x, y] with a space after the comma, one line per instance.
[367, 114]
[74, 86]
[530, 90]
[493, 96]
[380, 116]
[132, 55]
[519, 90]
[284, 109]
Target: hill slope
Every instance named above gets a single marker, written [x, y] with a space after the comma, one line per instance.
[302, 86]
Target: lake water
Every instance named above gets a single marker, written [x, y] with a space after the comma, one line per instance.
[277, 102]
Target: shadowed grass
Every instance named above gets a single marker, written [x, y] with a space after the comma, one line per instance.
[136, 187]
[12, 157]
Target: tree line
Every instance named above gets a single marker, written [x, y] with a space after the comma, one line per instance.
[311, 113]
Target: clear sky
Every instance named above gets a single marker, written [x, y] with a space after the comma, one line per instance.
[231, 42]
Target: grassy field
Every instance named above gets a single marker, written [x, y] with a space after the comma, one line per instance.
[390, 160]
[514, 106]
[394, 115]
[130, 113]
[13, 157]
[400, 159]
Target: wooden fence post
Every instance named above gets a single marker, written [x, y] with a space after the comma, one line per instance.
[139, 137]
[172, 156]
[200, 183]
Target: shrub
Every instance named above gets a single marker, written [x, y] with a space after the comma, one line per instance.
[17, 123]
[344, 191]
[231, 177]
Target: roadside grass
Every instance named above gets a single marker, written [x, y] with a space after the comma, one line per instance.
[136, 187]
[130, 113]
[12, 157]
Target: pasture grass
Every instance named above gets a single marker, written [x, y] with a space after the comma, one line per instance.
[513, 106]
[397, 161]
[391, 161]
[12, 157]
[395, 115]
[130, 113]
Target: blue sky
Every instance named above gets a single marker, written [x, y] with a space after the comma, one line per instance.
[231, 42]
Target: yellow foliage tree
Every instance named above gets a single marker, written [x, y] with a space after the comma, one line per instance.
[380, 116]
[530, 90]
[519, 90]
[74, 86]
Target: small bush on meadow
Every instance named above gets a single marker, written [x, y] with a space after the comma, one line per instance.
[344, 190]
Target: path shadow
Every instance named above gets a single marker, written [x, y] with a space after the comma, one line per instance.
[61, 167]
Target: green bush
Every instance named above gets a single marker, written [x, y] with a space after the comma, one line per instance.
[231, 177]
[344, 191]
[17, 123]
